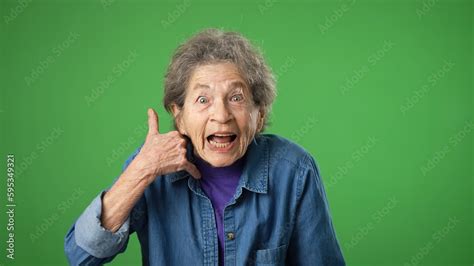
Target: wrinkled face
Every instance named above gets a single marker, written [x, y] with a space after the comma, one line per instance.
[219, 115]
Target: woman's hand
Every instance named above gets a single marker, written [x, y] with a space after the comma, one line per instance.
[162, 153]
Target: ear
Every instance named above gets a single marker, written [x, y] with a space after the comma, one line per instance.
[177, 114]
[261, 120]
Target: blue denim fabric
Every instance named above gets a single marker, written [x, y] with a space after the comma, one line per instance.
[279, 215]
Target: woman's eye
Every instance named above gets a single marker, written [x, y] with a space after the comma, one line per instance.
[202, 99]
[237, 98]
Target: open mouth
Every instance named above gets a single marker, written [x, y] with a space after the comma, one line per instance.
[221, 140]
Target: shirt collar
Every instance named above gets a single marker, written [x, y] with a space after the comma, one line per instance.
[255, 172]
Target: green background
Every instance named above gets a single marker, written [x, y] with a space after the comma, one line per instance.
[380, 92]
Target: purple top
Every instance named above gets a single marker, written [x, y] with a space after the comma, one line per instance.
[219, 184]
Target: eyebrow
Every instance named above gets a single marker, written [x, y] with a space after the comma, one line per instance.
[237, 83]
[199, 86]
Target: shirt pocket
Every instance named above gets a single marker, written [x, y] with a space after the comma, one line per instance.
[273, 256]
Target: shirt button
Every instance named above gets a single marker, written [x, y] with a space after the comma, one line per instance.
[230, 236]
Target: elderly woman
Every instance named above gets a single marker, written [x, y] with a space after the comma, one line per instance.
[216, 191]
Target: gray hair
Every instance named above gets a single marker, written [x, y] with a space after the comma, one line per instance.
[213, 46]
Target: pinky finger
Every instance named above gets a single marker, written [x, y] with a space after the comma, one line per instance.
[192, 170]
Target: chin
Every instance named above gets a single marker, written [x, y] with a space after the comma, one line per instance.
[220, 162]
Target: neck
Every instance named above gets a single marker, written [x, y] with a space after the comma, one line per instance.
[209, 171]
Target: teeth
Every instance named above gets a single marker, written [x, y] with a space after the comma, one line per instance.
[219, 145]
[223, 135]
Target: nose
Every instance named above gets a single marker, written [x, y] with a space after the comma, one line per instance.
[220, 112]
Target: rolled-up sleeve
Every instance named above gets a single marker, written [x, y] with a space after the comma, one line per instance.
[88, 243]
[95, 239]
[313, 241]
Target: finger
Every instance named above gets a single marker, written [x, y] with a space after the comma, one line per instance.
[192, 170]
[153, 122]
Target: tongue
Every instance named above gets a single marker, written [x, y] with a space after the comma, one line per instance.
[221, 139]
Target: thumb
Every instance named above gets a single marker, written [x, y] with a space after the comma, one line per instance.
[153, 126]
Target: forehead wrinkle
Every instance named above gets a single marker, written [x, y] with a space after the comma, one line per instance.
[228, 85]
[217, 78]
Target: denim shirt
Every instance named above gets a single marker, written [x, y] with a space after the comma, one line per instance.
[279, 215]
